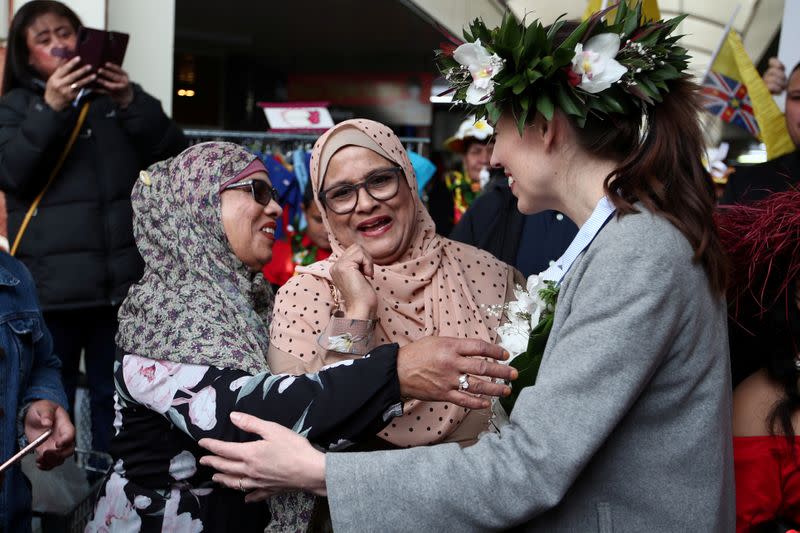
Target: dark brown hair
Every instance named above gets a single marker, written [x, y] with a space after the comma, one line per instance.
[18, 73]
[661, 151]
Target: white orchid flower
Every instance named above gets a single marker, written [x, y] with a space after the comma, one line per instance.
[513, 338]
[595, 64]
[534, 284]
[525, 303]
[482, 66]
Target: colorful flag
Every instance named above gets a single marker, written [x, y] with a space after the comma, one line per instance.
[727, 98]
[734, 91]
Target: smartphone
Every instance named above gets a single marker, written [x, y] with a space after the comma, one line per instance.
[38, 441]
[98, 47]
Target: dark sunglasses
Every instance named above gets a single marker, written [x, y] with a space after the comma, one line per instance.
[262, 191]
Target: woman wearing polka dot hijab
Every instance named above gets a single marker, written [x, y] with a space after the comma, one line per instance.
[391, 278]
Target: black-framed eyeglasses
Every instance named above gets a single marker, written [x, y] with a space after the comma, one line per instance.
[262, 191]
[380, 184]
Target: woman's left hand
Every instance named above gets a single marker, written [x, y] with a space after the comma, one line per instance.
[283, 460]
[115, 83]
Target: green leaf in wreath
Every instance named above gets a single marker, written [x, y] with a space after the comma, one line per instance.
[535, 40]
[511, 82]
[521, 120]
[622, 12]
[566, 103]
[574, 38]
[492, 112]
[555, 26]
[610, 103]
[544, 105]
[533, 75]
[563, 57]
[632, 21]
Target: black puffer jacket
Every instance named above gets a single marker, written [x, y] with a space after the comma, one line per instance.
[79, 246]
[493, 223]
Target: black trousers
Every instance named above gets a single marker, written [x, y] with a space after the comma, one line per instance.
[93, 330]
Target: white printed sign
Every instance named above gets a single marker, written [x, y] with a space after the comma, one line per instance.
[297, 116]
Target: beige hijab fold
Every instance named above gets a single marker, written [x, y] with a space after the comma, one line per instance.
[439, 287]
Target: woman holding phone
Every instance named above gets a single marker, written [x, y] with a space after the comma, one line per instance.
[79, 245]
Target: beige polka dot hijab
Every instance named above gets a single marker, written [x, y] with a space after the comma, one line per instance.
[439, 287]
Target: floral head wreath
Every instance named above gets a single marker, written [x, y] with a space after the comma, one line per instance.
[600, 67]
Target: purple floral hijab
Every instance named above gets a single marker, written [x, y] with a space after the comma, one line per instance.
[196, 302]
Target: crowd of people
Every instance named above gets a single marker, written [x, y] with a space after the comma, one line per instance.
[354, 374]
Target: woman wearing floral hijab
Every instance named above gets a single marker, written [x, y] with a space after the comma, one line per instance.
[192, 344]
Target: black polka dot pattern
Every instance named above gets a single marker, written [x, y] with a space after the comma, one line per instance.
[438, 287]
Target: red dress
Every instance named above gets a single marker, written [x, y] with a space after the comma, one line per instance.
[285, 257]
[767, 480]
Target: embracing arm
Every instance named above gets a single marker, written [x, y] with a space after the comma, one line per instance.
[557, 425]
[340, 403]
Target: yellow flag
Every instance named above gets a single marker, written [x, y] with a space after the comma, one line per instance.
[734, 63]
[650, 9]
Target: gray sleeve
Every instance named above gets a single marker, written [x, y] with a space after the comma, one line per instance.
[625, 306]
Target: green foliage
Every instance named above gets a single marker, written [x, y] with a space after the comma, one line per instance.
[528, 363]
[537, 72]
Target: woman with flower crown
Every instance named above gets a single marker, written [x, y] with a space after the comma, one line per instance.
[627, 426]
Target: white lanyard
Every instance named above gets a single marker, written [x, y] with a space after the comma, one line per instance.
[602, 212]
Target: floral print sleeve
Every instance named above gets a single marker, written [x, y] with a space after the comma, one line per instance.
[332, 408]
[162, 408]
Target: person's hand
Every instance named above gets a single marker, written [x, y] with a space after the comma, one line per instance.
[42, 415]
[65, 82]
[775, 76]
[349, 273]
[282, 460]
[115, 82]
[429, 369]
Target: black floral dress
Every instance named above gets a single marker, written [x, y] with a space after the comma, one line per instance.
[164, 408]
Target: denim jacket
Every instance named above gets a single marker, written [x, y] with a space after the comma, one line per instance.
[29, 370]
